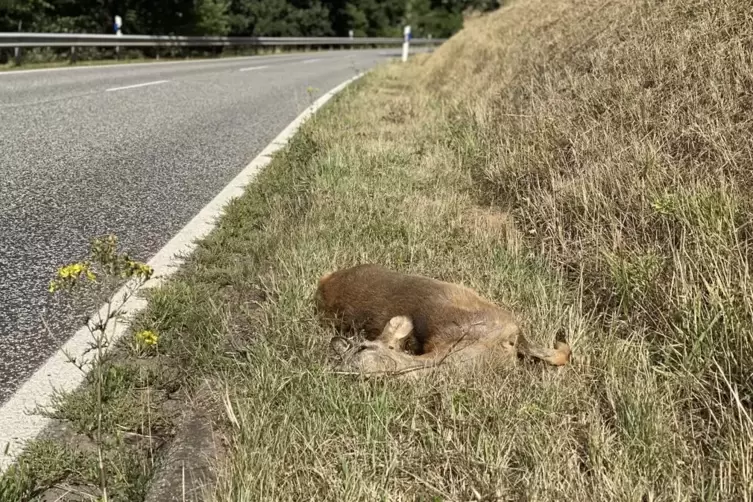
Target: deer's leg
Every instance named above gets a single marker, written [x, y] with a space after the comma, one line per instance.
[396, 332]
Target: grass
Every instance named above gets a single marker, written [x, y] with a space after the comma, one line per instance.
[584, 163]
[613, 132]
[394, 195]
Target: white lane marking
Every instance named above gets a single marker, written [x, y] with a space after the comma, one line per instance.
[312, 60]
[17, 423]
[156, 82]
[252, 68]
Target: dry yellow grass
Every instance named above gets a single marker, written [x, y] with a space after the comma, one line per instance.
[617, 135]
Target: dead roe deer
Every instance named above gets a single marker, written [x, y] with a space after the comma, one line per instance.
[413, 322]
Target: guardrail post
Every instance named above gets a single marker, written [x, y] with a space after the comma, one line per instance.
[17, 55]
[73, 54]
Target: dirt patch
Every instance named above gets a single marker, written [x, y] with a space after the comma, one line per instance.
[185, 471]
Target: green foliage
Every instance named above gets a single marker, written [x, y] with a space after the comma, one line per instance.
[440, 18]
[212, 17]
[22, 15]
[426, 18]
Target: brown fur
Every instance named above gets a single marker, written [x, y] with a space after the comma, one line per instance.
[416, 321]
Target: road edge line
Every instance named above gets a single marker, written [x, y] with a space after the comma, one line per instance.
[17, 425]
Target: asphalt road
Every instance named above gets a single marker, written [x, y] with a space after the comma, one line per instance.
[136, 150]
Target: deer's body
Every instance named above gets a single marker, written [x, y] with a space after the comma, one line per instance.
[416, 320]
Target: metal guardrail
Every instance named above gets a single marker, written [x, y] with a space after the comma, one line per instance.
[24, 40]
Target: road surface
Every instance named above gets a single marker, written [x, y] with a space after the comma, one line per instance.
[136, 150]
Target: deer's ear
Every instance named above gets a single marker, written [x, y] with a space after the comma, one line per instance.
[340, 345]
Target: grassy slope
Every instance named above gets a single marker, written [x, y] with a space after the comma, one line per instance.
[617, 134]
[581, 162]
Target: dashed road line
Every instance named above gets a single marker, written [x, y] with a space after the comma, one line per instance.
[156, 82]
[252, 68]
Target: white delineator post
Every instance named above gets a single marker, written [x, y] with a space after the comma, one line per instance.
[406, 42]
[117, 26]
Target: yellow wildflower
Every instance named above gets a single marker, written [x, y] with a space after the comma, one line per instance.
[70, 271]
[70, 274]
[147, 337]
[140, 269]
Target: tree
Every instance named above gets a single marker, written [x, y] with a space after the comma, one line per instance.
[270, 18]
[312, 20]
[23, 15]
[212, 17]
[241, 17]
[356, 20]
